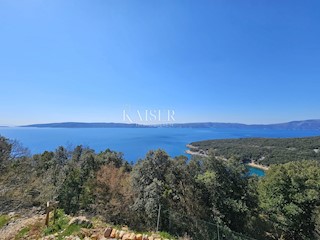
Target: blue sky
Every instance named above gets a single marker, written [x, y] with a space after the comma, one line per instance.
[226, 61]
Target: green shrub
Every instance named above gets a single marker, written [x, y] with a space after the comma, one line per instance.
[166, 235]
[70, 230]
[61, 223]
[22, 233]
[4, 219]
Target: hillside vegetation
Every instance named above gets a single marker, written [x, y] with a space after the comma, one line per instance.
[265, 151]
[202, 198]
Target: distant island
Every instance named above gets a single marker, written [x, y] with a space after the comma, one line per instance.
[88, 125]
[294, 125]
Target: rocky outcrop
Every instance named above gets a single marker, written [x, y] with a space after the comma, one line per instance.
[87, 231]
[81, 221]
[110, 233]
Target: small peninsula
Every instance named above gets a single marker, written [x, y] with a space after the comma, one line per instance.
[260, 152]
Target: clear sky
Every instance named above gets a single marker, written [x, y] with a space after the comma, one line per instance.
[243, 61]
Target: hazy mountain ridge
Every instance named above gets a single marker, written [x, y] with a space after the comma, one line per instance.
[295, 125]
[87, 125]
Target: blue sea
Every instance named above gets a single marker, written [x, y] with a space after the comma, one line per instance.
[255, 171]
[135, 142]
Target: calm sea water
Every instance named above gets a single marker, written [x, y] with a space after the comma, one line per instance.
[255, 171]
[134, 142]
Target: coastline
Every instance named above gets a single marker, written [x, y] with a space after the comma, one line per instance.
[258, 166]
[250, 164]
[188, 151]
[191, 146]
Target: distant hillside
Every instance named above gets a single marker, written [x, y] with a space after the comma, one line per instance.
[295, 125]
[305, 125]
[87, 125]
[264, 151]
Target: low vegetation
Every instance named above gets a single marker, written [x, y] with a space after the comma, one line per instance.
[22, 233]
[202, 198]
[4, 219]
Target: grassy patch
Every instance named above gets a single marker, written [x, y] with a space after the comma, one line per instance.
[70, 230]
[166, 235]
[4, 219]
[22, 233]
[60, 224]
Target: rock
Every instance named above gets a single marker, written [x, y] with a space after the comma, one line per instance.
[125, 228]
[126, 236]
[121, 233]
[102, 238]
[72, 238]
[107, 232]
[132, 236]
[117, 234]
[50, 237]
[11, 214]
[81, 221]
[36, 209]
[139, 237]
[113, 233]
[145, 237]
[94, 237]
[85, 232]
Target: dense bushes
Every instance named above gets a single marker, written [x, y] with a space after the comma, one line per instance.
[289, 196]
[266, 151]
[199, 197]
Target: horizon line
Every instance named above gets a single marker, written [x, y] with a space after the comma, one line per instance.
[157, 124]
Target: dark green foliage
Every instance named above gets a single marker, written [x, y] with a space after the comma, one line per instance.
[5, 150]
[290, 195]
[187, 202]
[191, 193]
[44, 161]
[22, 233]
[77, 191]
[316, 219]
[148, 180]
[266, 151]
[4, 219]
[227, 189]
[61, 156]
[111, 157]
[73, 193]
[200, 197]
[70, 191]
[61, 222]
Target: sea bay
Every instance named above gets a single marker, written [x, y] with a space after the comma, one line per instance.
[134, 142]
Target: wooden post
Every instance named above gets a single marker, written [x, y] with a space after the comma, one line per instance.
[51, 205]
[159, 210]
[47, 214]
